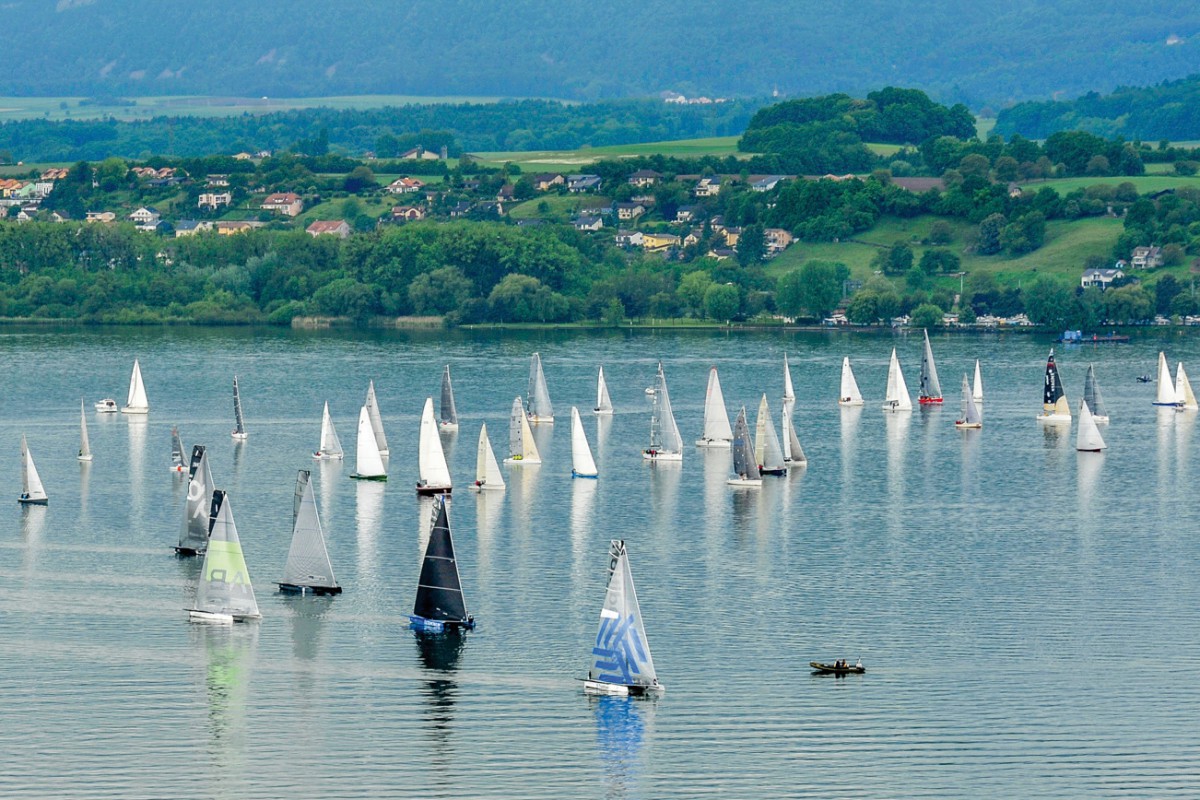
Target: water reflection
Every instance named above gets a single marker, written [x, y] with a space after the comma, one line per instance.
[330, 474]
[623, 727]
[583, 509]
[137, 455]
[229, 658]
[33, 524]
[368, 516]
[440, 654]
[308, 623]
[897, 441]
[425, 522]
[239, 447]
[1088, 472]
[664, 493]
[603, 427]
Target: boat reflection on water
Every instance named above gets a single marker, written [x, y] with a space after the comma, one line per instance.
[368, 517]
[229, 653]
[623, 727]
[137, 461]
[440, 654]
[583, 516]
[33, 524]
[308, 623]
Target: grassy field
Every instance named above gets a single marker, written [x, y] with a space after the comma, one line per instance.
[574, 160]
[1144, 183]
[561, 207]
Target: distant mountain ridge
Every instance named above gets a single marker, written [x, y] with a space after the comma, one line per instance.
[958, 51]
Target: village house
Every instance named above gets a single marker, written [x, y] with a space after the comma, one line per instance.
[1146, 257]
[419, 153]
[707, 187]
[190, 227]
[588, 223]
[101, 216]
[1102, 277]
[461, 209]
[693, 237]
[686, 213]
[506, 193]
[55, 173]
[547, 181]
[214, 200]
[732, 235]
[658, 242]
[9, 187]
[627, 238]
[766, 183]
[230, 227]
[146, 218]
[40, 190]
[331, 227]
[216, 181]
[722, 253]
[243, 156]
[287, 203]
[583, 183]
[628, 211]
[407, 213]
[776, 240]
[405, 186]
[645, 177]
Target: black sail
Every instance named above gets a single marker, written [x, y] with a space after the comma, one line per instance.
[1053, 388]
[439, 593]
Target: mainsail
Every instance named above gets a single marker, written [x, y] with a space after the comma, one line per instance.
[665, 441]
[372, 406]
[931, 388]
[487, 471]
[308, 566]
[717, 432]
[178, 464]
[540, 410]
[1091, 396]
[793, 453]
[897, 398]
[850, 395]
[789, 393]
[448, 416]
[745, 466]
[582, 463]
[32, 490]
[521, 447]
[85, 446]
[331, 446]
[1088, 440]
[1054, 399]
[136, 402]
[970, 417]
[239, 432]
[440, 598]
[368, 463]
[224, 586]
[1166, 387]
[603, 401]
[193, 539]
[1183, 390]
[621, 654]
[977, 390]
[768, 453]
[431, 459]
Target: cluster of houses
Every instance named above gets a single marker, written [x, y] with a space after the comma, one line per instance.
[28, 194]
[1146, 257]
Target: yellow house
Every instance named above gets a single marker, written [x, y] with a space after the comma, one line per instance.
[656, 242]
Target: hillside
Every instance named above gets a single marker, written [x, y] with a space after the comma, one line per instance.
[958, 51]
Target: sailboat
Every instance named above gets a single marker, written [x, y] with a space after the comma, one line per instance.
[178, 464]
[32, 491]
[540, 410]
[239, 431]
[897, 398]
[331, 446]
[85, 447]
[789, 393]
[1088, 440]
[768, 454]
[603, 401]
[1054, 399]
[193, 538]
[717, 432]
[487, 471]
[368, 464]
[1091, 396]
[621, 663]
[440, 604]
[582, 463]
[850, 395]
[372, 406]
[745, 465]
[971, 417]
[308, 570]
[793, 453]
[977, 387]
[136, 403]
[1166, 387]
[224, 593]
[665, 442]
[931, 388]
[521, 447]
[1183, 390]
[448, 414]
[431, 459]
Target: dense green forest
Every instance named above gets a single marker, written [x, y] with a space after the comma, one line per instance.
[959, 51]
[1169, 110]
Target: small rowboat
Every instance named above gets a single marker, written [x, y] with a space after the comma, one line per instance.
[831, 669]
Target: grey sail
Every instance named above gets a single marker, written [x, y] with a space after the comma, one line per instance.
[240, 430]
[224, 586]
[376, 418]
[793, 453]
[621, 654]
[1091, 394]
[540, 408]
[448, 413]
[745, 466]
[664, 432]
[177, 457]
[308, 564]
[194, 537]
[439, 591]
[772, 451]
[515, 444]
[931, 388]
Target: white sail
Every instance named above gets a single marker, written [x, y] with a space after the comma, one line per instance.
[970, 417]
[977, 389]
[1166, 387]
[850, 395]
[767, 450]
[789, 393]
[239, 431]
[372, 406]
[621, 661]
[931, 387]
[331, 445]
[540, 410]
[308, 565]
[368, 462]
[745, 465]
[32, 490]
[193, 538]
[223, 591]
[431, 459]
[793, 453]
[1088, 439]
[897, 398]
[603, 401]
[1091, 396]
[448, 416]
[85, 446]
[717, 432]
[136, 403]
[582, 463]
[521, 447]
[487, 471]
[1183, 390]
[665, 442]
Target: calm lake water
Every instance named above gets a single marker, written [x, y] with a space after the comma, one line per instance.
[1027, 614]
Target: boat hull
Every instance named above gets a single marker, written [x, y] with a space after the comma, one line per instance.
[428, 490]
[83, 458]
[536, 420]
[241, 437]
[773, 471]
[319, 591]
[602, 412]
[744, 483]
[722, 444]
[188, 551]
[1054, 419]
[448, 427]
[135, 410]
[1100, 420]
[603, 689]
[210, 617]
[106, 407]
[592, 475]
[849, 403]
[358, 477]
[319, 456]
[930, 401]
[829, 669]
[517, 461]
[656, 455]
[439, 625]
[33, 501]
[967, 425]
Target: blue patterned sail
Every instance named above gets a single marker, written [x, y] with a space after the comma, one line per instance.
[621, 655]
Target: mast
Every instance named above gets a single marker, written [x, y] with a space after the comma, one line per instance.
[582, 463]
[603, 401]
[665, 442]
[431, 460]
[372, 406]
[136, 402]
[32, 490]
[717, 432]
[977, 392]
[368, 464]
[85, 446]
[1088, 440]
[308, 566]
[239, 432]
[522, 449]
[793, 453]
[1166, 387]
[193, 538]
[224, 588]
[331, 445]
[440, 601]
[745, 466]
[1091, 396]
[449, 414]
[178, 464]
[621, 654]
[768, 453]
[540, 409]
[970, 417]
[850, 395]
[1054, 399]
[1183, 390]
[897, 398]
[487, 471]
[931, 388]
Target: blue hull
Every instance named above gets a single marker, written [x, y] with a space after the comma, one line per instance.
[437, 625]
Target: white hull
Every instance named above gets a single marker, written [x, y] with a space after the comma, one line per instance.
[536, 420]
[326, 457]
[135, 410]
[487, 487]
[744, 483]
[894, 406]
[968, 425]
[1100, 420]
[210, 617]
[106, 407]
[646, 454]
[84, 458]
[1055, 419]
[448, 427]
[723, 444]
[615, 689]
[849, 403]
[602, 412]
[516, 461]
[241, 437]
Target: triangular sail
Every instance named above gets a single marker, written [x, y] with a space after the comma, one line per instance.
[745, 465]
[487, 471]
[1166, 387]
[977, 388]
[448, 414]
[521, 446]
[931, 387]
[582, 463]
[1088, 438]
[1091, 394]
[372, 406]
[789, 393]
[621, 654]
[897, 398]
[178, 461]
[603, 401]
[970, 412]
[136, 400]
[1054, 399]
[850, 395]
[767, 450]
[793, 453]
[368, 461]
[439, 591]
[540, 409]
[224, 585]
[431, 459]
[308, 559]
[85, 446]
[664, 433]
[196, 508]
[716, 418]
[1183, 389]
[331, 446]
[31, 482]
[240, 429]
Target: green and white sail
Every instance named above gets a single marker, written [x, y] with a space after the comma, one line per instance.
[224, 588]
